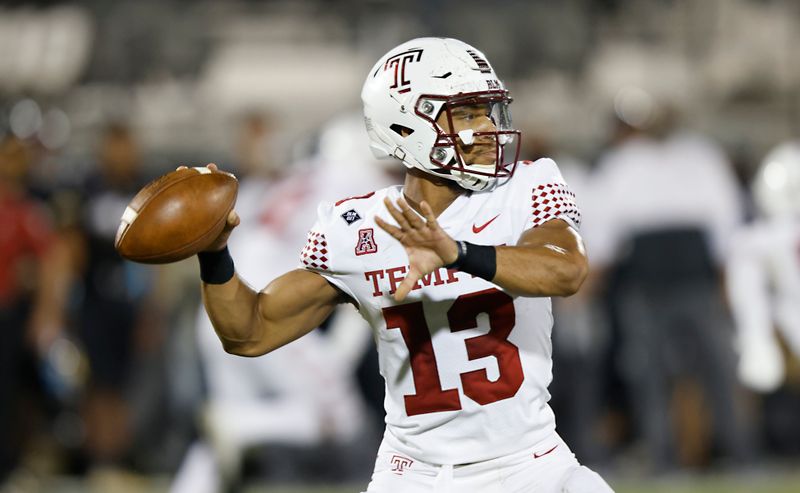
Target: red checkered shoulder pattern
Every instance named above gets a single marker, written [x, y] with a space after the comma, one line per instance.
[315, 253]
[552, 200]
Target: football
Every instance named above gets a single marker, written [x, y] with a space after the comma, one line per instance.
[176, 215]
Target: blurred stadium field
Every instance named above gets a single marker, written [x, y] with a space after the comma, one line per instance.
[684, 485]
[788, 484]
[760, 482]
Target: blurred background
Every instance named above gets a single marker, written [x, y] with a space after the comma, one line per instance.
[675, 367]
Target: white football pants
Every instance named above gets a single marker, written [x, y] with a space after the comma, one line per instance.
[547, 467]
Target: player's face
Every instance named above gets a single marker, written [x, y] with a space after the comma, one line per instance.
[478, 118]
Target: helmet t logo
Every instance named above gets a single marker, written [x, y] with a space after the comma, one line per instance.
[398, 63]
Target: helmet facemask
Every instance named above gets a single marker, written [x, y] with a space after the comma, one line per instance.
[475, 156]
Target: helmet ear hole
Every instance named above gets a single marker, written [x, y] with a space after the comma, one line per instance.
[401, 130]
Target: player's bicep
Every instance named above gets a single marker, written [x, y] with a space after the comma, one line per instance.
[293, 305]
[555, 233]
[562, 241]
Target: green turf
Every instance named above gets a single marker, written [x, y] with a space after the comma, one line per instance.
[764, 482]
[781, 483]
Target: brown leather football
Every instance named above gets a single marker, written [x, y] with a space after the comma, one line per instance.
[176, 215]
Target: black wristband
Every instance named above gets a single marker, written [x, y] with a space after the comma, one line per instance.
[216, 267]
[478, 260]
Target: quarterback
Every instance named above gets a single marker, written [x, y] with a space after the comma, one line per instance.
[453, 270]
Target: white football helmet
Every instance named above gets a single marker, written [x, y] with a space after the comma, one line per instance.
[409, 87]
[776, 186]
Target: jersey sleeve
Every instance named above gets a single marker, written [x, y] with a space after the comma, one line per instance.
[322, 254]
[546, 195]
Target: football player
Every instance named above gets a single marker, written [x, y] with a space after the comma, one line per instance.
[453, 270]
[763, 280]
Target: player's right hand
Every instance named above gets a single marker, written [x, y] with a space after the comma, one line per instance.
[232, 221]
[222, 239]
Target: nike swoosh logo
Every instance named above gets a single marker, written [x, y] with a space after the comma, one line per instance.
[478, 229]
[536, 456]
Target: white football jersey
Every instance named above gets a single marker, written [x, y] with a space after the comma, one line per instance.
[763, 284]
[466, 364]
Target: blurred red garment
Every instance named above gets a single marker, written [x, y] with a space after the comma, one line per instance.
[25, 234]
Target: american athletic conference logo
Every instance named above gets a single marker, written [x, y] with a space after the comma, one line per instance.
[366, 242]
[398, 64]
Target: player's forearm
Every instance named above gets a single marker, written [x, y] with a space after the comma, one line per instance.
[233, 310]
[251, 323]
[542, 270]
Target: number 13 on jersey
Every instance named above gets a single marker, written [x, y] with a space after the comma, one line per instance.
[462, 315]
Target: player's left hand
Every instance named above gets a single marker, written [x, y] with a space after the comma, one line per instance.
[427, 245]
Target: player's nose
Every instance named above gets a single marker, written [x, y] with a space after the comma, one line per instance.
[483, 125]
[486, 124]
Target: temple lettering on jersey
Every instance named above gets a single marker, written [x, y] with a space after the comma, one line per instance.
[386, 281]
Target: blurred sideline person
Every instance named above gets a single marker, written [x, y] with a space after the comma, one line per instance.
[463, 328]
[34, 281]
[303, 394]
[763, 281]
[115, 318]
[665, 203]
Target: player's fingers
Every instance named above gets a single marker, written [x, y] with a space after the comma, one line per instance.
[405, 287]
[233, 219]
[428, 213]
[396, 214]
[393, 231]
[412, 278]
[412, 217]
[212, 167]
[181, 167]
[219, 243]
